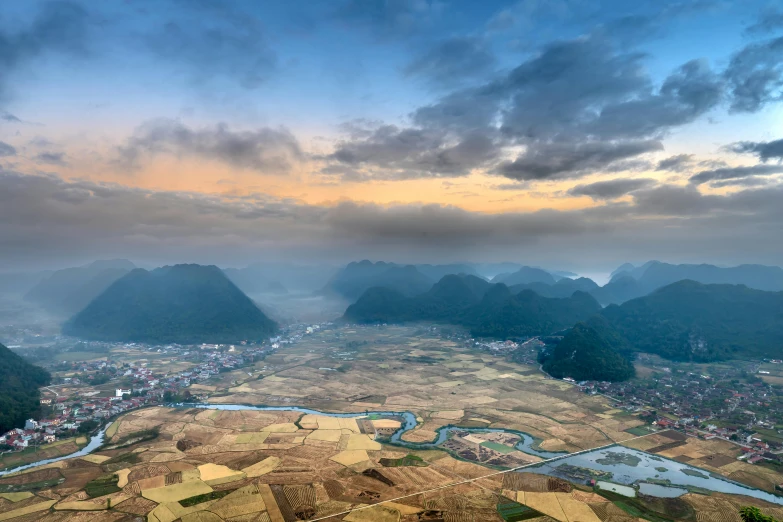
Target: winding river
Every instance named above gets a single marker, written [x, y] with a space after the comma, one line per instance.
[634, 467]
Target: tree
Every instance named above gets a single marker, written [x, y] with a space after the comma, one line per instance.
[753, 514]
[87, 426]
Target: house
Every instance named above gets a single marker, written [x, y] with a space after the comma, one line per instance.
[46, 401]
[119, 392]
[30, 424]
[49, 438]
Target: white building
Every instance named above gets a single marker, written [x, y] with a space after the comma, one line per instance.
[30, 424]
[119, 392]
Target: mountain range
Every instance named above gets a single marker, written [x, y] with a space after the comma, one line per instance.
[172, 304]
[487, 309]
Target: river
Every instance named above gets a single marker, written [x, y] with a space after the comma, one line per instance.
[628, 466]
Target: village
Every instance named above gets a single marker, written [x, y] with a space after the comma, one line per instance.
[85, 394]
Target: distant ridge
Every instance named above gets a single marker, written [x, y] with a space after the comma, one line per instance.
[489, 310]
[69, 290]
[180, 303]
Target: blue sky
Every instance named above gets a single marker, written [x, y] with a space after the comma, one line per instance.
[558, 123]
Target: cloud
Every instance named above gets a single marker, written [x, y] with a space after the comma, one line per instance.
[7, 116]
[208, 40]
[386, 19]
[263, 150]
[678, 163]
[566, 160]
[51, 158]
[576, 107]
[6, 149]
[46, 217]
[393, 153]
[57, 27]
[765, 150]
[452, 61]
[755, 75]
[770, 20]
[735, 173]
[751, 181]
[611, 189]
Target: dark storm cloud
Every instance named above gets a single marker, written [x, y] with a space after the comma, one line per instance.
[611, 189]
[577, 107]
[51, 158]
[765, 150]
[566, 160]
[735, 173]
[58, 27]
[452, 61]
[678, 163]
[209, 39]
[264, 150]
[755, 75]
[6, 149]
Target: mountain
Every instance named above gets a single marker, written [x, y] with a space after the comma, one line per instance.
[584, 354]
[564, 287]
[68, 291]
[437, 272]
[181, 303]
[760, 277]
[488, 310]
[19, 383]
[688, 320]
[354, 279]
[620, 289]
[504, 314]
[524, 276]
[19, 283]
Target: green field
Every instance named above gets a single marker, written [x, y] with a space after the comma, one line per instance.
[497, 447]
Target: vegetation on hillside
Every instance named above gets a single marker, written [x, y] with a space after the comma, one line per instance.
[692, 321]
[587, 353]
[487, 310]
[19, 383]
[182, 303]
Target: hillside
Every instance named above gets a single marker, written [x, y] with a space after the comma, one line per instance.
[19, 383]
[564, 287]
[181, 303]
[68, 291]
[355, 278]
[487, 310]
[524, 276]
[693, 321]
[586, 354]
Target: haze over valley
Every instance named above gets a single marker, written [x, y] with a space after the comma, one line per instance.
[391, 260]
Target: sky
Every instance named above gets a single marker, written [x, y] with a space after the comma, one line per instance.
[568, 133]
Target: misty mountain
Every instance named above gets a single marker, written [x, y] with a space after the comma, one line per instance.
[524, 276]
[688, 320]
[355, 278]
[588, 351]
[68, 291]
[655, 274]
[489, 310]
[19, 383]
[260, 278]
[437, 272]
[564, 287]
[19, 283]
[181, 303]
[620, 289]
